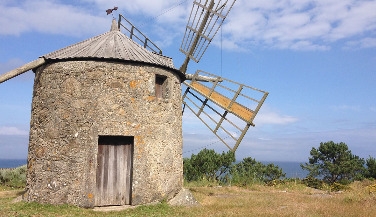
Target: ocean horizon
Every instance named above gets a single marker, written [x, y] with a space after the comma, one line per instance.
[11, 163]
[292, 169]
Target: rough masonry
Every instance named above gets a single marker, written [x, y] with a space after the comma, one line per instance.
[76, 101]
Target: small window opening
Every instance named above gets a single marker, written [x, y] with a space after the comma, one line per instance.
[160, 86]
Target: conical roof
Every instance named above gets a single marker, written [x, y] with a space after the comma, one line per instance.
[113, 45]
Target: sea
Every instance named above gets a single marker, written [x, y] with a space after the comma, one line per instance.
[12, 163]
[292, 169]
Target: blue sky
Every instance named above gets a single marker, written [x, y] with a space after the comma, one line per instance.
[315, 58]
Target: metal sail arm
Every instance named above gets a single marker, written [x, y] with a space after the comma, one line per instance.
[227, 108]
[204, 22]
[15, 72]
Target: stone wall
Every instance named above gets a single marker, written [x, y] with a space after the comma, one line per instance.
[76, 101]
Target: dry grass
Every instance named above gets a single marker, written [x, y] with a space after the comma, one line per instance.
[277, 201]
[283, 200]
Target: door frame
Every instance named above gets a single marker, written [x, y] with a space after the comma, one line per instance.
[113, 186]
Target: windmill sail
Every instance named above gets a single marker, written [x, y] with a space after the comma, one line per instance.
[15, 72]
[226, 107]
[204, 21]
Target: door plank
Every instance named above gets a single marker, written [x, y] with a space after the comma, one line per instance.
[100, 175]
[128, 173]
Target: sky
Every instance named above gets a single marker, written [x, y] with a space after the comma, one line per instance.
[317, 60]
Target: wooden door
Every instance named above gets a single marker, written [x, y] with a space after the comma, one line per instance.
[114, 170]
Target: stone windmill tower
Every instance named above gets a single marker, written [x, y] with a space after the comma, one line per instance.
[106, 119]
[106, 125]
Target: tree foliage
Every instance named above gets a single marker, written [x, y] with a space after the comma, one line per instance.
[208, 165]
[211, 166]
[250, 171]
[334, 162]
[370, 171]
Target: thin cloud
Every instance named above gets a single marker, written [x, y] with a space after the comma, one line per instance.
[284, 24]
[269, 117]
[303, 24]
[13, 131]
[10, 64]
[296, 146]
[305, 45]
[169, 13]
[361, 43]
[48, 17]
[346, 108]
[264, 139]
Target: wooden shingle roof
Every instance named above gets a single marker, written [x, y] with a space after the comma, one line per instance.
[113, 45]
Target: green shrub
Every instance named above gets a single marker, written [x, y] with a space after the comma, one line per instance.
[249, 171]
[313, 182]
[15, 178]
[208, 165]
[339, 187]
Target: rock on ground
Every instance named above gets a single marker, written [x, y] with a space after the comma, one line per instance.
[184, 198]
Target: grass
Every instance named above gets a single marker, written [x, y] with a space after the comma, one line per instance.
[286, 199]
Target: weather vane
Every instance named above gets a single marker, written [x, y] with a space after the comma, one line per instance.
[109, 11]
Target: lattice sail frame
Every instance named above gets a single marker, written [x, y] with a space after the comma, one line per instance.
[204, 22]
[226, 107]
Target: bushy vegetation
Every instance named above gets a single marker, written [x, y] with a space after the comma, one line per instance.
[15, 178]
[249, 171]
[370, 171]
[333, 166]
[334, 162]
[209, 166]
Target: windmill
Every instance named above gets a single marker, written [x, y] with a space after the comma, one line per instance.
[226, 107]
[106, 117]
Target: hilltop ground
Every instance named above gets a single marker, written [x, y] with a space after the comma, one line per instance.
[288, 199]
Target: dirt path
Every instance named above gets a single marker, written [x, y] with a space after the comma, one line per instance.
[12, 193]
